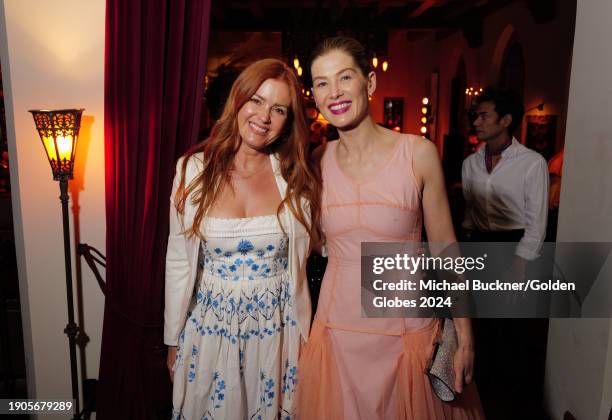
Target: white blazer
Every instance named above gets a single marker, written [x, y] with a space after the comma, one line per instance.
[182, 255]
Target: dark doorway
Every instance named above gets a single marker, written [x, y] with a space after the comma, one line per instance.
[512, 74]
[455, 143]
[12, 360]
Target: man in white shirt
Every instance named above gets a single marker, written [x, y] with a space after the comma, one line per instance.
[505, 186]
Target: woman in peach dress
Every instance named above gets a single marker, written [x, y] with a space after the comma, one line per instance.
[378, 186]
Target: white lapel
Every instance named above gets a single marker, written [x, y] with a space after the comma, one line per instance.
[280, 181]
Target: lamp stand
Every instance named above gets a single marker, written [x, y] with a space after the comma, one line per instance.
[71, 328]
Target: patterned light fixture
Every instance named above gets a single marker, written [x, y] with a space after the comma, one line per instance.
[59, 131]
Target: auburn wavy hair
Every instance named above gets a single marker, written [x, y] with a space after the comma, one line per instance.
[218, 152]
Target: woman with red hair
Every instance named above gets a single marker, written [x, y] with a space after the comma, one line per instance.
[244, 210]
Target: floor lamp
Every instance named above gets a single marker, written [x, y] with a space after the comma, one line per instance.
[59, 130]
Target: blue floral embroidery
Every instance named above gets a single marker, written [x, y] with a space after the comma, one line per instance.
[178, 361]
[191, 374]
[244, 247]
[218, 394]
[224, 310]
[267, 393]
[251, 264]
[289, 378]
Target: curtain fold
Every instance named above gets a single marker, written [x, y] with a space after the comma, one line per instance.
[155, 62]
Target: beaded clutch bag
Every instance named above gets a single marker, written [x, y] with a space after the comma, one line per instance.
[440, 370]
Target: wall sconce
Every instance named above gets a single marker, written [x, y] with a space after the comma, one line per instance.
[425, 116]
[59, 132]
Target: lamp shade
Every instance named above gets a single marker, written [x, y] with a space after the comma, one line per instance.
[59, 131]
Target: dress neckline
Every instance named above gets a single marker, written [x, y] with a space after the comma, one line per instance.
[239, 219]
[377, 172]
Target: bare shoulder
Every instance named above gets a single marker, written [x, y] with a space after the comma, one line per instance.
[425, 151]
[389, 137]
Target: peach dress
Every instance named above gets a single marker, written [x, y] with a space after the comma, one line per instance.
[369, 368]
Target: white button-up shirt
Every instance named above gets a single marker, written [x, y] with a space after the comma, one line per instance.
[513, 196]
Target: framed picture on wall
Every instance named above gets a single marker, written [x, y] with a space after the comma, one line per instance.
[393, 114]
[541, 134]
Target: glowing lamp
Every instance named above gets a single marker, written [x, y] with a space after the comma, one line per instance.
[425, 101]
[385, 65]
[423, 130]
[374, 62]
[59, 131]
[424, 110]
[396, 128]
[424, 120]
[299, 70]
[296, 63]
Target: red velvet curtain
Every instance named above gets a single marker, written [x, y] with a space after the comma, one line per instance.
[154, 77]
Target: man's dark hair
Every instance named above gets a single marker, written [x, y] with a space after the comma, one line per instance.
[506, 102]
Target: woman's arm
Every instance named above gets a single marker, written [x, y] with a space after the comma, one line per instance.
[436, 213]
[440, 234]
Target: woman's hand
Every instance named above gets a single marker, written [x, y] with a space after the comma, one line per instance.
[170, 361]
[463, 362]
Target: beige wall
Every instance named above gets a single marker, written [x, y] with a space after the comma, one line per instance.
[579, 362]
[52, 57]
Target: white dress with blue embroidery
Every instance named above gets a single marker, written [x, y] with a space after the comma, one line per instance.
[237, 354]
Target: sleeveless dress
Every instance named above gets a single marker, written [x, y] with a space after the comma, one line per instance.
[369, 368]
[237, 354]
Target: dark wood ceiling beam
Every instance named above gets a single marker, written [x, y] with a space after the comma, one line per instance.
[333, 15]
